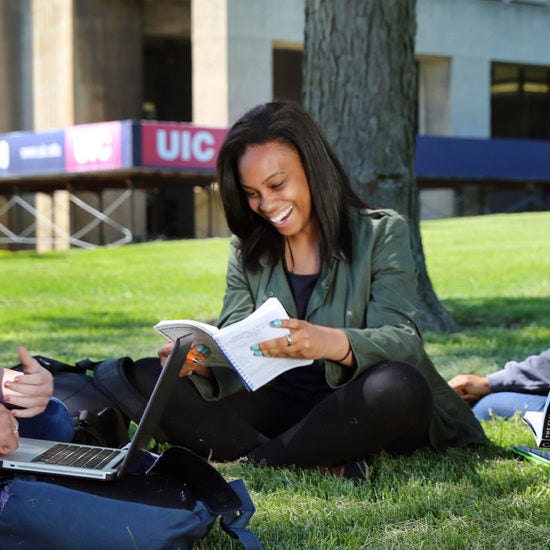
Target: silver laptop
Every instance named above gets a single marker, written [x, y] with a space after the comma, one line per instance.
[100, 463]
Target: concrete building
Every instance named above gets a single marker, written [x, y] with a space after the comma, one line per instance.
[484, 73]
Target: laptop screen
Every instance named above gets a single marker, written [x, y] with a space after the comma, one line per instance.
[156, 404]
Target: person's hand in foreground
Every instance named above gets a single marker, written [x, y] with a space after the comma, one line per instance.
[470, 387]
[30, 390]
[193, 362]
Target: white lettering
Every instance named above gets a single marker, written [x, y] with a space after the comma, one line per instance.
[207, 153]
[42, 151]
[91, 146]
[186, 145]
[4, 155]
[164, 151]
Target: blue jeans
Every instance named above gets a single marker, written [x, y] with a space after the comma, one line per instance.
[54, 423]
[506, 404]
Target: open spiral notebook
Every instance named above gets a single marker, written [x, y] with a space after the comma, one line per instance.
[230, 345]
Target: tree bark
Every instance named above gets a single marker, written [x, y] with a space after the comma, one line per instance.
[360, 85]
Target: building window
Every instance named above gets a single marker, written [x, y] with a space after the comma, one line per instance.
[287, 72]
[520, 101]
[167, 79]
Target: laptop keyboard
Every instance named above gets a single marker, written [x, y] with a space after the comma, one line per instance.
[77, 456]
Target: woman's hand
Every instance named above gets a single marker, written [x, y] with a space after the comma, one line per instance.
[308, 341]
[193, 362]
[9, 431]
[31, 389]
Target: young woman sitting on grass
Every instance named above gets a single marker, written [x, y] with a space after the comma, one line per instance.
[345, 274]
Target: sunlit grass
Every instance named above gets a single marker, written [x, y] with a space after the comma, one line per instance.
[492, 273]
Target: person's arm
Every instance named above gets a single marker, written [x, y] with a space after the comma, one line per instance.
[531, 375]
[375, 299]
[308, 341]
[470, 387]
[391, 326]
[9, 431]
[238, 301]
[221, 380]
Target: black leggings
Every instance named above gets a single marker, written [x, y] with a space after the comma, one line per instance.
[389, 407]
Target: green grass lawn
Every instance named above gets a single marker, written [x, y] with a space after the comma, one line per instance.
[492, 273]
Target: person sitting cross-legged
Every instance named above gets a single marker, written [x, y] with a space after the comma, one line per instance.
[344, 273]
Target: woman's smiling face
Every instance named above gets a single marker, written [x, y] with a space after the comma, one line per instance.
[274, 181]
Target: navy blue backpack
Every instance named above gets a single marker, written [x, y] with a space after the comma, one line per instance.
[172, 503]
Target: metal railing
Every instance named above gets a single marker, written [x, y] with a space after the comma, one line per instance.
[28, 234]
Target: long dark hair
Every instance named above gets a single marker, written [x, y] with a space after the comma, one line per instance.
[329, 185]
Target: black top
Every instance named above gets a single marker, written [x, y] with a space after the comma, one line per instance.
[305, 383]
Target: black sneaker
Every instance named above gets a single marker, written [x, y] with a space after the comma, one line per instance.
[356, 470]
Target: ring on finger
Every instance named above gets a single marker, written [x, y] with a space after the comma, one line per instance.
[289, 339]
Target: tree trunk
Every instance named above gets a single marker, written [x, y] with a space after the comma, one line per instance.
[360, 85]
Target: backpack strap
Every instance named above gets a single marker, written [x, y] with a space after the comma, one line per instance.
[236, 523]
[203, 480]
[231, 501]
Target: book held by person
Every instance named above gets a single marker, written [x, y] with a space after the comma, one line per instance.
[230, 345]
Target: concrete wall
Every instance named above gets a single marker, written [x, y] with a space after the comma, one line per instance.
[166, 18]
[232, 53]
[107, 75]
[254, 27]
[436, 203]
[53, 66]
[15, 63]
[471, 34]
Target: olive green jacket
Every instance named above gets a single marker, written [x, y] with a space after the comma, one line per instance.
[374, 299]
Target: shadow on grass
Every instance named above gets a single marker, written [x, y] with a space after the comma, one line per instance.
[491, 468]
[89, 320]
[24, 255]
[505, 313]
[492, 332]
[70, 338]
[454, 466]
